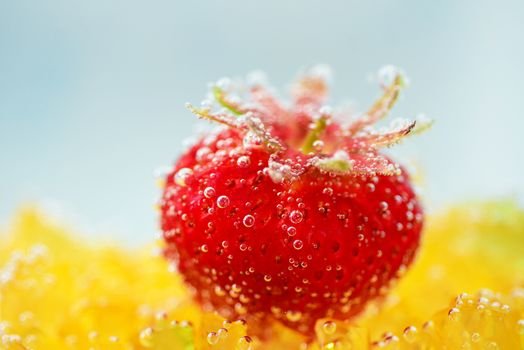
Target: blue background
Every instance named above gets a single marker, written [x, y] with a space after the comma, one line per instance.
[92, 92]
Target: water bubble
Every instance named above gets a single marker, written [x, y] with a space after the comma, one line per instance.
[410, 334]
[202, 153]
[209, 192]
[293, 316]
[475, 337]
[219, 291]
[252, 140]
[243, 161]
[243, 247]
[370, 187]
[204, 248]
[383, 206]
[213, 338]
[182, 175]
[454, 314]
[222, 201]
[492, 346]
[329, 327]
[222, 333]
[245, 343]
[296, 216]
[146, 337]
[267, 278]
[249, 220]
[318, 145]
[291, 231]
[327, 191]
[387, 75]
[236, 288]
[298, 244]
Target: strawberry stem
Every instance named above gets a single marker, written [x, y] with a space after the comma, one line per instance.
[314, 134]
[217, 118]
[222, 99]
[381, 107]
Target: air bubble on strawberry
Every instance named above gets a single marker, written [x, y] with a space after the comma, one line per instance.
[287, 213]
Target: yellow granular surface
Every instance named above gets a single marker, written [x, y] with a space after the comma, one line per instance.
[57, 291]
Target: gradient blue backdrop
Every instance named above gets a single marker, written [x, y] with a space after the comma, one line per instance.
[92, 92]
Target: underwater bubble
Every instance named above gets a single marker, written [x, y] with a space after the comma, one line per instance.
[293, 316]
[243, 161]
[329, 327]
[245, 343]
[213, 338]
[410, 334]
[182, 175]
[249, 220]
[291, 231]
[298, 244]
[202, 153]
[222, 201]
[296, 216]
[327, 191]
[475, 337]
[209, 192]
[318, 145]
[146, 337]
[454, 314]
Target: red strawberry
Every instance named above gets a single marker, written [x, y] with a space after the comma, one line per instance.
[287, 213]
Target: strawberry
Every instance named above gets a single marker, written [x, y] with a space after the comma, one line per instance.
[291, 212]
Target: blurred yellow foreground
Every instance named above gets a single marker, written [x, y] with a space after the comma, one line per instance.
[465, 291]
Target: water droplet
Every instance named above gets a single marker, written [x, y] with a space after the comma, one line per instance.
[291, 231]
[370, 187]
[209, 192]
[298, 244]
[243, 161]
[182, 175]
[296, 216]
[329, 327]
[222, 201]
[249, 220]
[213, 338]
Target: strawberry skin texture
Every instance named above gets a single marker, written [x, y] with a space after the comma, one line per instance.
[320, 246]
